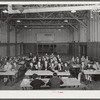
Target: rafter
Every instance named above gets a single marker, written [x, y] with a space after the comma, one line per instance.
[77, 19]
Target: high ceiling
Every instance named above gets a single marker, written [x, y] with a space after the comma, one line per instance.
[46, 15]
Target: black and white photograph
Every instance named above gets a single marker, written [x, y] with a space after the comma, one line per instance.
[49, 46]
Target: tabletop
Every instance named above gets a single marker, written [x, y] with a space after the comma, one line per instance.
[8, 73]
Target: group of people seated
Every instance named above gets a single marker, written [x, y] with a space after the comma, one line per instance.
[10, 63]
[47, 62]
[85, 63]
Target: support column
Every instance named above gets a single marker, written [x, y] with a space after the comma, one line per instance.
[15, 41]
[8, 39]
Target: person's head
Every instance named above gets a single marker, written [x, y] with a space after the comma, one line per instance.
[30, 53]
[58, 56]
[31, 64]
[89, 64]
[82, 56]
[14, 63]
[54, 74]
[7, 63]
[83, 63]
[65, 64]
[46, 54]
[97, 63]
[34, 76]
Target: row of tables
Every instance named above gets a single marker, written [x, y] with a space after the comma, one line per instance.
[25, 84]
[66, 74]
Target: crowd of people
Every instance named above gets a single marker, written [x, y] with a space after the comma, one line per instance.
[48, 62]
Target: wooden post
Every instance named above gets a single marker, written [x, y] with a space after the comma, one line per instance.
[8, 39]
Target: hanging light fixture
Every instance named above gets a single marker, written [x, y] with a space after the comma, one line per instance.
[5, 11]
[18, 21]
[73, 11]
[61, 26]
[25, 26]
[65, 21]
[59, 29]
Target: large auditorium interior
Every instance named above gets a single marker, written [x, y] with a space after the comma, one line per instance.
[50, 46]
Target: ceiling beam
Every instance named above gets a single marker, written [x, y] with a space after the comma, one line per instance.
[69, 18]
[42, 24]
[44, 28]
[53, 9]
[72, 26]
[81, 22]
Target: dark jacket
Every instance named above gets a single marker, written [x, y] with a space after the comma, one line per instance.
[36, 83]
[55, 82]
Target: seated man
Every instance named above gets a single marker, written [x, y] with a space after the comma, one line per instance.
[36, 83]
[55, 81]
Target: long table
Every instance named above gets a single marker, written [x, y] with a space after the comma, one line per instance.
[91, 72]
[76, 65]
[13, 74]
[25, 84]
[46, 73]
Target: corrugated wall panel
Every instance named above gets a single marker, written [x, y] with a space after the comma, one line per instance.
[95, 28]
[31, 36]
[3, 51]
[12, 35]
[18, 49]
[12, 50]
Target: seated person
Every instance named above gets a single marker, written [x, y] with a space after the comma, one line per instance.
[98, 66]
[89, 66]
[83, 66]
[55, 81]
[95, 67]
[61, 67]
[32, 67]
[72, 60]
[36, 83]
[46, 64]
[66, 67]
[82, 59]
[7, 67]
[77, 60]
[30, 55]
[51, 67]
[39, 65]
